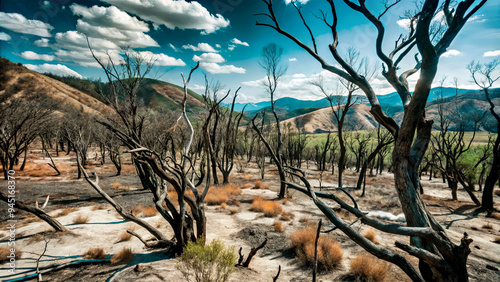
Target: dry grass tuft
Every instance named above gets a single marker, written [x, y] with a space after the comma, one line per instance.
[124, 188]
[94, 253]
[221, 194]
[149, 211]
[269, 208]
[329, 251]
[124, 256]
[287, 216]
[371, 235]
[116, 185]
[98, 208]
[278, 226]
[137, 210]
[497, 240]
[65, 211]
[369, 268]
[495, 215]
[124, 236]
[223, 206]
[260, 185]
[233, 211]
[81, 219]
[247, 177]
[304, 219]
[5, 252]
[246, 186]
[488, 226]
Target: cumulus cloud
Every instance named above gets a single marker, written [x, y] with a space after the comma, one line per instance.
[74, 40]
[109, 17]
[160, 59]
[215, 68]
[209, 58]
[451, 53]
[203, 47]
[495, 53]
[4, 36]
[114, 25]
[84, 57]
[58, 69]
[239, 42]
[18, 23]
[292, 59]
[174, 14]
[43, 42]
[29, 55]
[231, 47]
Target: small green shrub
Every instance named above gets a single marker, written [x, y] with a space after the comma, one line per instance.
[207, 263]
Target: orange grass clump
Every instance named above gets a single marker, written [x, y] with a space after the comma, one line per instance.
[369, 268]
[330, 252]
[269, 208]
[246, 186]
[278, 226]
[124, 256]
[124, 236]
[260, 185]
[94, 253]
[5, 253]
[80, 219]
[371, 235]
[116, 185]
[149, 211]
[221, 194]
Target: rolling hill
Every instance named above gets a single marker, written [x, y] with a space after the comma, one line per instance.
[81, 93]
[20, 82]
[463, 106]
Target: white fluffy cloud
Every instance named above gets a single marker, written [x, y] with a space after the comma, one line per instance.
[109, 17]
[203, 47]
[292, 59]
[74, 40]
[215, 68]
[58, 69]
[114, 25]
[42, 42]
[209, 58]
[84, 57]
[4, 36]
[239, 42]
[495, 53]
[451, 53]
[160, 59]
[18, 23]
[174, 14]
[29, 55]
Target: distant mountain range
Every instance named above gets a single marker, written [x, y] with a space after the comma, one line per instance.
[386, 100]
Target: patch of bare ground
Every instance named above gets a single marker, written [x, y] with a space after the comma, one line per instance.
[237, 226]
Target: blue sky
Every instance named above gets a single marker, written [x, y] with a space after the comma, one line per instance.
[47, 36]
